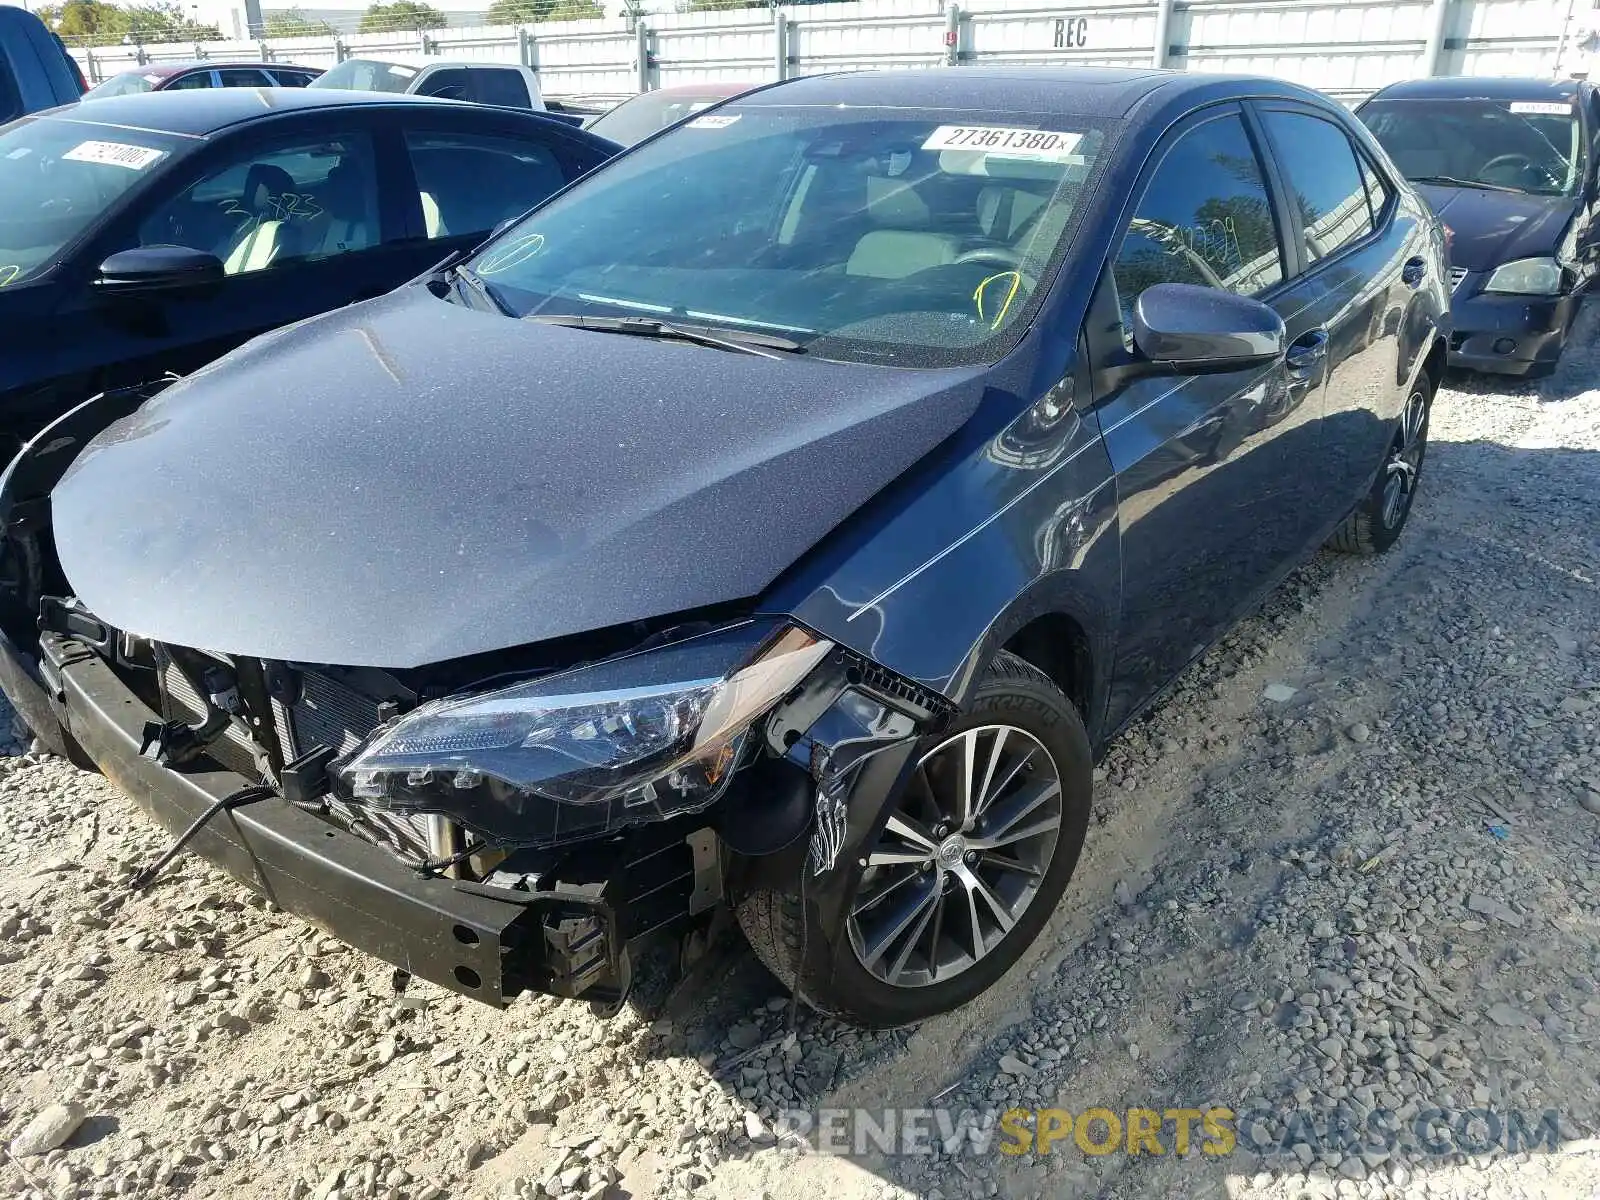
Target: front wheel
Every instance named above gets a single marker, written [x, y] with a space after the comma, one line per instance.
[970, 860]
[1376, 522]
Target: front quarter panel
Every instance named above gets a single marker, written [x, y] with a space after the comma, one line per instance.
[1014, 523]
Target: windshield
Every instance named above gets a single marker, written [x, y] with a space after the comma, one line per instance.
[881, 235]
[366, 75]
[57, 177]
[1533, 146]
[125, 84]
[634, 120]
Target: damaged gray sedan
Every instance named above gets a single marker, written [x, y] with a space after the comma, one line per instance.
[780, 518]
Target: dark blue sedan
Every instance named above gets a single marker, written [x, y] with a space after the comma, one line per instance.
[1509, 167]
[149, 233]
[785, 516]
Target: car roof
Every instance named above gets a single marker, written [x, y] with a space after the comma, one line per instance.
[1467, 87]
[167, 70]
[1077, 91]
[703, 89]
[205, 111]
[421, 61]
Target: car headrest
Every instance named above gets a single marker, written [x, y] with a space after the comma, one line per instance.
[264, 183]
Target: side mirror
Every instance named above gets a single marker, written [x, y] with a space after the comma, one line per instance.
[158, 269]
[1190, 330]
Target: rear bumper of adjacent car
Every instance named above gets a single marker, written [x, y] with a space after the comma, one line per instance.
[485, 943]
[1508, 335]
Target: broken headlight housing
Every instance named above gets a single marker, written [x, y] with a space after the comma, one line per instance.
[583, 752]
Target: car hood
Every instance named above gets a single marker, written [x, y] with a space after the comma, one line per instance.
[407, 481]
[1490, 228]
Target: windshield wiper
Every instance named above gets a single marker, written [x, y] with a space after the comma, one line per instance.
[475, 281]
[740, 342]
[1452, 181]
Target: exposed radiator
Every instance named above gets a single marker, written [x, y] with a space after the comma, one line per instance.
[327, 713]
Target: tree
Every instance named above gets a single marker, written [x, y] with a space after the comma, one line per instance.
[294, 23]
[524, 12]
[167, 22]
[86, 22]
[712, 5]
[402, 14]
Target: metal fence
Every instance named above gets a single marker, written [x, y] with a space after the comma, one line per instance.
[1345, 47]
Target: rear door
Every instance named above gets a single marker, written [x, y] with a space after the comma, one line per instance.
[1205, 464]
[1362, 262]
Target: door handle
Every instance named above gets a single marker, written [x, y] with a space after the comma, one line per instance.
[1413, 273]
[1307, 351]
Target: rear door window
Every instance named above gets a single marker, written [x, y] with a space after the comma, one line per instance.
[1324, 180]
[468, 183]
[495, 85]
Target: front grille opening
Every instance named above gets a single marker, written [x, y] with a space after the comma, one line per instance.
[325, 712]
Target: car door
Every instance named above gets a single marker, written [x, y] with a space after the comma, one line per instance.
[1204, 464]
[1360, 267]
[301, 214]
[473, 169]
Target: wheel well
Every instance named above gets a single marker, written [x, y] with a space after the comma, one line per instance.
[1435, 362]
[1058, 646]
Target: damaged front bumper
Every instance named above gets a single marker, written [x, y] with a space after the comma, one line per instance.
[568, 938]
[558, 920]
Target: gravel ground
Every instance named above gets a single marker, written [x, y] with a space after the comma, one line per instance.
[1350, 865]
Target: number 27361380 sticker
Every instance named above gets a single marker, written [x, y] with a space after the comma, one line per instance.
[1042, 145]
[115, 154]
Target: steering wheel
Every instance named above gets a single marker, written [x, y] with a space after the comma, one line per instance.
[1006, 260]
[1517, 162]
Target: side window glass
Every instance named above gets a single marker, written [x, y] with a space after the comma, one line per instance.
[450, 84]
[274, 207]
[10, 97]
[500, 87]
[1378, 191]
[1205, 219]
[290, 78]
[194, 79]
[243, 77]
[468, 183]
[1324, 181]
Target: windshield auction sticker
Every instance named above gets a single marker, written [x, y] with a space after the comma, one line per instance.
[1042, 145]
[1543, 108]
[714, 121]
[114, 154]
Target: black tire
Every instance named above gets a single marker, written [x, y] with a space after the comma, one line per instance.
[1375, 524]
[831, 979]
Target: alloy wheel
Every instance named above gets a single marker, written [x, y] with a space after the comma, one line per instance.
[1405, 460]
[960, 858]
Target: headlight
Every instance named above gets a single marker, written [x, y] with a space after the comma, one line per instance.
[582, 752]
[1527, 277]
